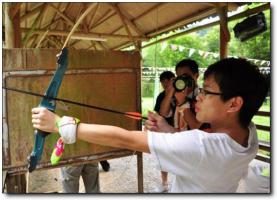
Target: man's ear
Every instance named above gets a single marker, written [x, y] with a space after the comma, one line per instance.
[235, 104]
[196, 75]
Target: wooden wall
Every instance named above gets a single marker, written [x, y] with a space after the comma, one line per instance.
[105, 79]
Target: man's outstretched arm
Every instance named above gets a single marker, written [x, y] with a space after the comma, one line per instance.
[44, 119]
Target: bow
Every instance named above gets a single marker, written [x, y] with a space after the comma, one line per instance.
[50, 104]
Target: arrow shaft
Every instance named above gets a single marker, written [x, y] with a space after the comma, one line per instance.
[75, 103]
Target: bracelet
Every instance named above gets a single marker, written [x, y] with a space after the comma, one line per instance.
[67, 127]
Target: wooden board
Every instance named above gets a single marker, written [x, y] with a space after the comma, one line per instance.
[100, 82]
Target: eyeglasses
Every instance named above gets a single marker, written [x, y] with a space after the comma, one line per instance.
[206, 92]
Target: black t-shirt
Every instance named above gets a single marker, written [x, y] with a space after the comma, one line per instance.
[170, 120]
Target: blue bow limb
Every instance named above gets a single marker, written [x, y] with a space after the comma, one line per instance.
[51, 92]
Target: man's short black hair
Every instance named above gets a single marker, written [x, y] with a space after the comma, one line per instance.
[191, 64]
[166, 75]
[238, 77]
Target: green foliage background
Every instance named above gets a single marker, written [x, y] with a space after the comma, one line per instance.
[258, 47]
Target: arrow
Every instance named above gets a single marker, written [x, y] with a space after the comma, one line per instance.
[132, 115]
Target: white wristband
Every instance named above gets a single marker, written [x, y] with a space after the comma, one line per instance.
[67, 128]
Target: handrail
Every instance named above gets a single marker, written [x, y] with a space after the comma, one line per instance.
[263, 145]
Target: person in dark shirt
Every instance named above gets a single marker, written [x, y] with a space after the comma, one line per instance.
[166, 79]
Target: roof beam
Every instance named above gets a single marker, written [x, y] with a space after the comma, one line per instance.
[117, 10]
[91, 20]
[14, 9]
[105, 47]
[127, 21]
[92, 45]
[85, 36]
[31, 30]
[32, 12]
[42, 38]
[66, 18]
[182, 22]
[107, 15]
[157, 6]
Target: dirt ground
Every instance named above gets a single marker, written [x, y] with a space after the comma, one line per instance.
[122, 177]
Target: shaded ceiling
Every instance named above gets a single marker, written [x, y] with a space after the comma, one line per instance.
[107, 26]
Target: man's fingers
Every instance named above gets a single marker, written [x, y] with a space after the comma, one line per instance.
[38, 110]
[36, 121]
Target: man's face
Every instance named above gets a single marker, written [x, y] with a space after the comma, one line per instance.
[210, 108]
[186, 70]
[166, 83]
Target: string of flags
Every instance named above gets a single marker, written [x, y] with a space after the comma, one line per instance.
[206, 54]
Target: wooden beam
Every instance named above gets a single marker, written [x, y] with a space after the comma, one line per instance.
[107, 15]
[16, 27]
[66, 18]
[42, 38]
[15, 9]
[54, 17]
[54, 42]
[182, 22]
[224, 32]
[230, 5]
[9, 29]
[104, 46]
[31, 30]
[92, 45]
[91, 20]
[32, 12]
[85, 36]
[157, 6]
[117, 10]
[127, 21]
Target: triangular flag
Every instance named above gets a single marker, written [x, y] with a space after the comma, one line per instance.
[181, 48]
[191, 51]
[163, 46]
[201, 53]
[206, 54]
[173, 47]
[215, 55]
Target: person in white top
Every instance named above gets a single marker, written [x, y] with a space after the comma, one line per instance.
[234, 90]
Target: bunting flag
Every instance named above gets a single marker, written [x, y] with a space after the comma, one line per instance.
[163, 46]
[206, 54]
[181, 48]
[174, 47]
[201, 53]
[191, 51]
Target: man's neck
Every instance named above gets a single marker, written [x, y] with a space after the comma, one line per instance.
[235, 131]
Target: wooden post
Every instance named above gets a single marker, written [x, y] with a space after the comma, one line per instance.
[17, 30]
[16, 184]
[12, 26]
[139, 154]
[224, 32]
[9, 31]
